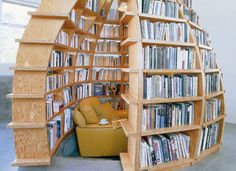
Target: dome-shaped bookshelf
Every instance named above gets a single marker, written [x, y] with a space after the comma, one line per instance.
[78, 35]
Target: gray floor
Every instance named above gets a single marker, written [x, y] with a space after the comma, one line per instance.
[224, 160]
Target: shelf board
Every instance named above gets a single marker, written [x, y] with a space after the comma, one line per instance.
[29, 68]
[116, 53]
[171, 165]
[128, 42]
[170, 130]
[26, 125]
[31, 162]
[172, 71]
[128, 99]
[205, 124]
[48, 15]
[126, 164]
[205, 47]
[195, 26]
[207, 152]
[115, 81]
[172, 100]
[166, 43]
[25, 96]
[212, 95]
[160, 18]
[115, 22]
[128, 70]
[126, 17]
[128, 129]
[208, 71]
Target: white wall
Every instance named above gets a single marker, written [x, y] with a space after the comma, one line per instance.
[218, 17]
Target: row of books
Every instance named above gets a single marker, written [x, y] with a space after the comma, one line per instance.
[54, 81]
[162, 86]
[81, 75]
[63, 38]
[202, 37]
[110, 30]
[164, 8]
[106, 89]
[167, 115]
[74, 16]
[59, 59]
[209, 59]
[53, 105]
[177, 32]
[165, 148]
[68, 95]
[74, 43]
[106, 74]
[93, 5]
[54, 131]
[68, 119]
[87, 44]
[188, 3]
[191, 15]
[107, 60]
[108, 46]
[93, 29]
[82, 22]
[209, 137]
[212, 83]
[213, 109]
[117, 103]
[169, 58]
[82, 59]
[83, 90]
[113, 13]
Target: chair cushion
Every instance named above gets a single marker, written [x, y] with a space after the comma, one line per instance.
[105, 111]
[79, 118]
[88, 111]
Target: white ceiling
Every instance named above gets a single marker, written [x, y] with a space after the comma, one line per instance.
[30, 3]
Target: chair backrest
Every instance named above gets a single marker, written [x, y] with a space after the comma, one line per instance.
[89, 101]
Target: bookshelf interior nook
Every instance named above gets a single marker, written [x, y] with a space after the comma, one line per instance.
[151, 57]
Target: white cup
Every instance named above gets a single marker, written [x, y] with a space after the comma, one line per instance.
[103, 121]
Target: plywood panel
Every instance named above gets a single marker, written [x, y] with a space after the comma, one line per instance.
[29, 110]
[31, 143]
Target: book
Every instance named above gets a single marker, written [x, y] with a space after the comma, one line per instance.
[82, 59]
[177, 32]
[74, 16]
[53, 105]
[107, 89]
[113, 13]
[83, 90]
[163, 86]
[68, 95]
[212, 83]
[81, 75]
[74, 43]
[68, 119]
[69, 60]
[54, 131]
[87, 44]
[110, 30]
[169, 58]
[212, 109]
[63, 38]
[54, 81]
[57, 59]
[202, 37]
[187, 3]
[108, 46]
[106, 74]
[92, 5]
[116, 102]
[107, 60]
[190, 14]
[93, 29]
[209, 59]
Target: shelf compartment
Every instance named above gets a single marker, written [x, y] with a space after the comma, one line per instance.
[25, 96]
[205, 124]
[172, 165]
[172, 100]
[173, 71]
[126, 164]
[31, 162]
[128, 129]
[128, 99]
[26, 125]
[212, 95]
[167, 43]
[128, 42]
[127, 16]
[208, 71]
[161, 19]
[48, 15]
[170, 130]
[205, 47]
[196, 26]
[207, 152]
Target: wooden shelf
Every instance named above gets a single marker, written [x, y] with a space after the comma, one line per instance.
[128, 42]
[48, 15]
[29, 68]
[25, 96]
[208, 71]
[128, 99]
[127, 16]
[195, 26]
[205, 124]
[205, 47]
[26, 125]
[32, 162]
[128, 129]
[160, 19]
[115, 53]
[213, 95]
[208, 152]
[128, 70]
[124, 157]
[172, 100]
[166, 43]
[170, 130]
[172, 71]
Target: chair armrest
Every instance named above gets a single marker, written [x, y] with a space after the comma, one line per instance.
[123, 114]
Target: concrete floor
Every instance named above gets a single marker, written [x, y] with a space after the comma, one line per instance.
[224, 160]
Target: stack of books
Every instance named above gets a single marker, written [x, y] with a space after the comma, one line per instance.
[74, 43]
[69, 60]
[54, 81]
[209, 59]
[187, 3]
[110, 30]
[212, 83]
[202, 37]
[166, 148]
[113, 13]
[54, 131]
[83, 91]
[106, 74]
[213, 109]
[68, 119]
[57, 59]
[162, 86]
[169, 58]
[164, 8]
[81, 75]
[209, 137]
[53, 105]
[63, 38]
[167, 115]
[107, 60]
[177, 32]
[92, 5]
[68, 95]
[106, 89]
[82, 59]
[108, 46]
